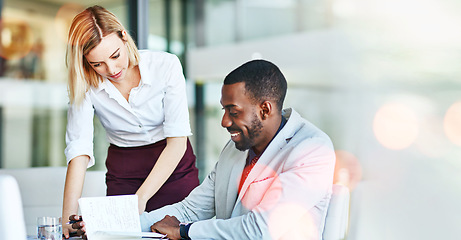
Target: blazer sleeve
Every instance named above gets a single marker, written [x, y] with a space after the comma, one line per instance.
[199, 204]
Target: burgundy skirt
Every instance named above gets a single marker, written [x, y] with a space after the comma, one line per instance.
[128, 167]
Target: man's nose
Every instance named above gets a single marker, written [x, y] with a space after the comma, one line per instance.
[225, 121]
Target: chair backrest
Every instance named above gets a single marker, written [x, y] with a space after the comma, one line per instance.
[12, 225]
[42, 190]
[336, 222]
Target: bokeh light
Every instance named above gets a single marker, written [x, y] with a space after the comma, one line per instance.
[431, 140]
[16, 39]
[395, 126]
[64, 17]
[452, 123]
[259, 187]
[348, 171]
[291, 221]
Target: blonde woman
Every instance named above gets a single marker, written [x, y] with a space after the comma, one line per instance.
[140, 99]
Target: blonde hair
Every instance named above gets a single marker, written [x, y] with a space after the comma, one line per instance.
[85, 33]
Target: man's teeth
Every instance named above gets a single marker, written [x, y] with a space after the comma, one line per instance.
[234, 134]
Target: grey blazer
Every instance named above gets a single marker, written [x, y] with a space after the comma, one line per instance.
[286, 195]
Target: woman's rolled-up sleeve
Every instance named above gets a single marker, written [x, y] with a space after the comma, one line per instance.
[176, 122]
[79, 133]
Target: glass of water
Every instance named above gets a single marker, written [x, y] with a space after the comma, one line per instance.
[49, 228]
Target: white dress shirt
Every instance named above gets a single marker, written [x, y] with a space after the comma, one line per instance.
[155, 109]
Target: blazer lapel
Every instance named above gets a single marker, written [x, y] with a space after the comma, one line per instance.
[234, 180]
[262, 165]
[280, 141]
[227, 179]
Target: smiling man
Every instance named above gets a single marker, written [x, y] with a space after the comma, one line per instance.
[274, 177]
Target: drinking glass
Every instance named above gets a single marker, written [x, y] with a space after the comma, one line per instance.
[49, 228]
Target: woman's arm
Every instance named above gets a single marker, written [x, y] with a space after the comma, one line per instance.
[75, 177]
[164, 167]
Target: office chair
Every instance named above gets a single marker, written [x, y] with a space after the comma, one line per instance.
[12, 225]
[42, 191]
[336, 222]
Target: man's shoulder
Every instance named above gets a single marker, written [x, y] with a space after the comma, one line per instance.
[301, 134]
[300, 128]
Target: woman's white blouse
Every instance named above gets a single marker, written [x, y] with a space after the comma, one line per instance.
[155, 110]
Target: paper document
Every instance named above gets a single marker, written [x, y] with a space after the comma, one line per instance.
[127, 235]
[113, 215]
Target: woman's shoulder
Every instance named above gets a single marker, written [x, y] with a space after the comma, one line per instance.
[156, 56]
[157, 62]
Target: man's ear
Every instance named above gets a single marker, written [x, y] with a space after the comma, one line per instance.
[266, 109]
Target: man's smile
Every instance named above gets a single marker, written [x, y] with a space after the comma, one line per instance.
[234, 135]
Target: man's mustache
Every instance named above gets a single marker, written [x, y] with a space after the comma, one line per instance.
[233, 129]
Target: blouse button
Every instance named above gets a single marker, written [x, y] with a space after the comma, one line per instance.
[139, 126]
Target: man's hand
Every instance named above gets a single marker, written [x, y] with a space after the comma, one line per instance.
[169, 225]
[78, 225]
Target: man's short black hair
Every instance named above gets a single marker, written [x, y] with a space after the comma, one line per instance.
[263, 81]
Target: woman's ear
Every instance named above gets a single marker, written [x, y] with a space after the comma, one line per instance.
[124, 37]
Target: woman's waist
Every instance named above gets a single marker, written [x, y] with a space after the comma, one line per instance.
[138, 145]
[134, 139]
[139, 161]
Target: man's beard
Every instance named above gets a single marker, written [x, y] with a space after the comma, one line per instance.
[253, 132]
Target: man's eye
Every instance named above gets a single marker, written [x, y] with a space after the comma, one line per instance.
[233, 114]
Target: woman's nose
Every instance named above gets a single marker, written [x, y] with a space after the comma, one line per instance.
[110, 68]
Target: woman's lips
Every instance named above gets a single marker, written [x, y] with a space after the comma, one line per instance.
[116, 75]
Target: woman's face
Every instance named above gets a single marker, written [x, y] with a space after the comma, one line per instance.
[110, 58]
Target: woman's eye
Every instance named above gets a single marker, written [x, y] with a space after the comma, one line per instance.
[116, 56]
[96, 65]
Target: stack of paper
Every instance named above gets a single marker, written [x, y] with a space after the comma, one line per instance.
[113, 217]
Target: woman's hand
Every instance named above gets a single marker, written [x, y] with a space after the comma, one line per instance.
[162, 170]
[75, 176]
[141, 204]
[67, 229]
[76, 227]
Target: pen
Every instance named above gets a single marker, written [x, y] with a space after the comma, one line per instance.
[74, 221]
[72, 234]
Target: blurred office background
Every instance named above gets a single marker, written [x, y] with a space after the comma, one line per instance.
[381, 77]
